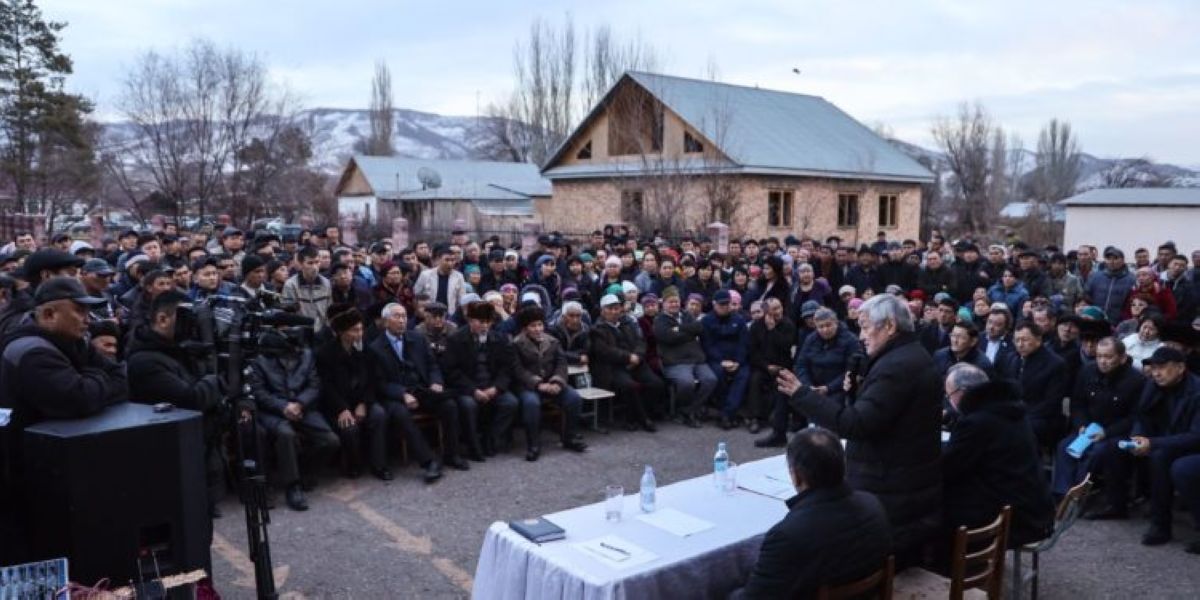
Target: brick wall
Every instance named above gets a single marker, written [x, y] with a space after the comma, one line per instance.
[584, 205]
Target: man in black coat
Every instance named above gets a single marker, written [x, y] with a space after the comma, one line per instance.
[47, 372]
[891, 418]
[831, 535]
[161, 371]
[407, 379]
[970, 273]
[991, 460]
[286, 388]
[996, 342]
[1043, 378]
[935, 335]
[771, 340]
[1166, 428]
[348, 393]
[479, 362]
[618, 362]
[1106, 393]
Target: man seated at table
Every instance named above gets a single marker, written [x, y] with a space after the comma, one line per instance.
[831, 534]
[992, 459]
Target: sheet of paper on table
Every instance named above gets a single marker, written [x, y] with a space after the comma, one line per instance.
[945, 436]
[616, 552]
[767, 485]
[675, 522]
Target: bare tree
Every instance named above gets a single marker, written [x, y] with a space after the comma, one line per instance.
[192, 114]
[381, 115]
[554, 87]
[965, 141]
[1133, 173]
[1057, 169]
[1016, 168]
[997, 173]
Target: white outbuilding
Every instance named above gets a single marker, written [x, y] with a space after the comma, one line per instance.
[1131, 218]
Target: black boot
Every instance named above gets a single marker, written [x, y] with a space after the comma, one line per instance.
[295, 497]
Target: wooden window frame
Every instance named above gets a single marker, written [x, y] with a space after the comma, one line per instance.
[847, 219]
[782, 215]
[889, 210]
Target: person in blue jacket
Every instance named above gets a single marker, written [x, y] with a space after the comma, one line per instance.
[1010, 291]
[724, 341]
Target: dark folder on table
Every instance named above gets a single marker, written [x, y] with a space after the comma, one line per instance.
[538, 530]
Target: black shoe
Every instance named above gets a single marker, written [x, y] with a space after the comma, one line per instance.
[433, 471]
[308, 483]
[1108, 513]
[295, 497]
[214, 511]
[771, 441]
[353, 472]
[725, 423]
[1156, 536]
[476, 455]
[384, 474]
[689, 420]
[458, 463]
[1192, 548]
[755, 426]
[575, 444]
[533, 453]
[648, 425]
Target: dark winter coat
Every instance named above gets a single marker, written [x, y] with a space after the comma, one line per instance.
[992, 461]
[724, 338]
[935, 281]
[345, 377]
[821, 362]
[1170, 417]
[1106, 399]
[274, 385]
[678, 339]
[1109, 290]
[771, 346]
[829, 536]
[945, 358]
[891, 425]
[1043, 380]
[538, 362]
[159, 371]
[611, 346]
[573, 344]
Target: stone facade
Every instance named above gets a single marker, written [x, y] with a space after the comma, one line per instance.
[583, 205]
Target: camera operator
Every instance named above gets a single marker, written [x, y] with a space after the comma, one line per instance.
[283, 380]
[48, 371]
[161, 370]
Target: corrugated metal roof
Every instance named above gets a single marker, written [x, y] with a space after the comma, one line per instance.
[775, 132]
[1136, 197]
[393, 178]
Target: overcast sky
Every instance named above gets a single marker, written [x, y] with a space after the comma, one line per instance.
[1125, 74]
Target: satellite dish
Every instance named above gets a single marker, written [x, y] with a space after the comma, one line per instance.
[429, 178]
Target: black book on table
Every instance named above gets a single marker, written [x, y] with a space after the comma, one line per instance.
[538, 530]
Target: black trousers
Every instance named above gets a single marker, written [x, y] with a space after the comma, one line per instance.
[400, 417]
[374, 428]
[307, 441]
[760, 395]
[1117, 466]
[492, 419]
[641, 389]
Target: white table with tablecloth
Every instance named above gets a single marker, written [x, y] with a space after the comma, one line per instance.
[707, 564]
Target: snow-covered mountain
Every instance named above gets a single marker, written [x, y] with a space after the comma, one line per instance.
[417, 134]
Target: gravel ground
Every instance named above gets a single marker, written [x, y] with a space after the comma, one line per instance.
[403, 539]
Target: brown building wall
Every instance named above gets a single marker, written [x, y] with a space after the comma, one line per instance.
[583, 205]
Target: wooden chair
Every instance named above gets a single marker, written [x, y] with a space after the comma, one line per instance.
[877, 584]
[976, 570]
[1068, 512]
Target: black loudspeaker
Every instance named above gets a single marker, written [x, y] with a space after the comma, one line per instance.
[125, 484]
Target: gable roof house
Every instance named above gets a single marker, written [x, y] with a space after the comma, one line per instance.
[1131, 218]
[674, 153]
[432, 194]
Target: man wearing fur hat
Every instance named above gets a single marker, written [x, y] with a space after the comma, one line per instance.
[478, 363]
[540, 371]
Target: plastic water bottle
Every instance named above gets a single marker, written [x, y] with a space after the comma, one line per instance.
[720, 465]
[648, 487]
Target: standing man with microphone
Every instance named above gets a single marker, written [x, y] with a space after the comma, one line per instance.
[890, 418]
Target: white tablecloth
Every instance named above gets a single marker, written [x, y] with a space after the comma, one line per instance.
[709, 564]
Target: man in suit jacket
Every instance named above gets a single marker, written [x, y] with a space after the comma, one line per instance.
[407, 378]
[443, 283]
[478, 363]
[831, 534]
[1043, 378]
[996, 343]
